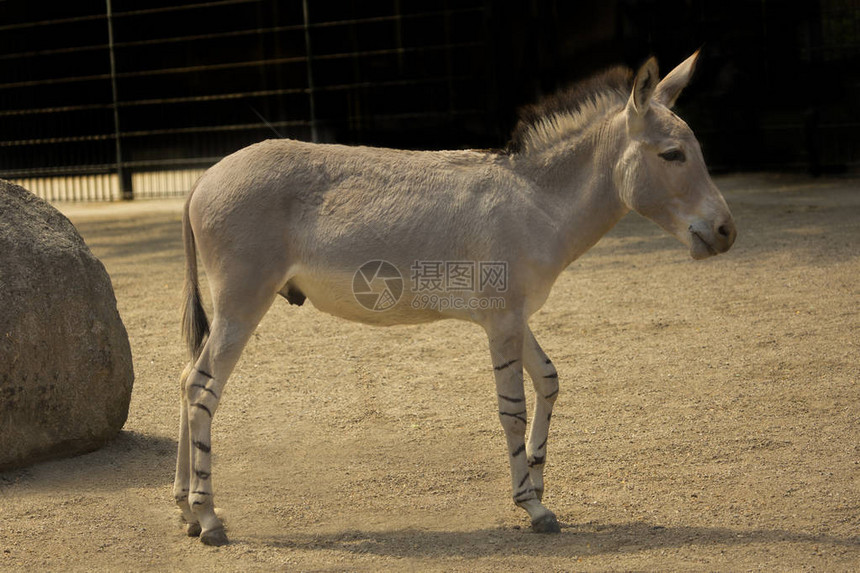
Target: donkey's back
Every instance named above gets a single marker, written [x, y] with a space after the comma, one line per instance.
[329, 179]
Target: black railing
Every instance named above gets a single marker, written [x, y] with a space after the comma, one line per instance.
[137, 97]
[124, 95]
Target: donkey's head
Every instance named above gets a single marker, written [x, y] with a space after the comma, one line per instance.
[662, 174]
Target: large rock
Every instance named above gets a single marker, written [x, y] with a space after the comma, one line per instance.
[65, 362]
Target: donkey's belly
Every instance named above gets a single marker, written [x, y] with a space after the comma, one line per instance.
[371, 295]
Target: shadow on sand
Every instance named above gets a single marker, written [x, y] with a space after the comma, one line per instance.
[585, 539]
[145, 236]
[140, 459]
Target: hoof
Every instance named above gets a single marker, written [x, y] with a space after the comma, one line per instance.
[215, 537]
[193, 529]
[546, 524]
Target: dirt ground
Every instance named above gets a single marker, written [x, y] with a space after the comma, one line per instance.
[708, 419]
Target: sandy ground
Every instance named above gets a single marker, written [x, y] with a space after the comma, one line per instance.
[708, 419]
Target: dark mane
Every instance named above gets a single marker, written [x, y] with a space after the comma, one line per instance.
[618, 79]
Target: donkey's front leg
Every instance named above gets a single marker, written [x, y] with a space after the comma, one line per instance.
[545, 380]
[506, 349]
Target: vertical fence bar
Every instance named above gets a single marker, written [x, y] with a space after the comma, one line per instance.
[124, 178]
[308, 65]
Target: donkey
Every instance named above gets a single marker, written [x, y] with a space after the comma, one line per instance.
[341, 225]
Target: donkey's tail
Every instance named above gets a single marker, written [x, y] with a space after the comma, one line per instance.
[195, 325]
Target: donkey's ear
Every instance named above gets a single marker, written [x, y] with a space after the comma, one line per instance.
[670, 88]
[643, 87]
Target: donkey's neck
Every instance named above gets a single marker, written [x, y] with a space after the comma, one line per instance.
[574, 187]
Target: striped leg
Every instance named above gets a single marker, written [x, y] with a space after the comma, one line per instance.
[232, 327]
[183, 460]
[506, 349]
[545, 380]
[202, 395]
[205, 386]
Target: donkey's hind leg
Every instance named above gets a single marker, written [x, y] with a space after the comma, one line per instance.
[183, 459]
[234, 321]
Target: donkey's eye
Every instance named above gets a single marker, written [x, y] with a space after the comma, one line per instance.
[674, 155]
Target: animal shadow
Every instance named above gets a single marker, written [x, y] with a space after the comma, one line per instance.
[574, 540]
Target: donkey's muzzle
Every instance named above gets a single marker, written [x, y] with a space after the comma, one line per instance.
[707, 241]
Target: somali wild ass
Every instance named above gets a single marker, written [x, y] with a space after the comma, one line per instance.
[341, 226]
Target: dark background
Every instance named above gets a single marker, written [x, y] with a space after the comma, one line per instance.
[777, 86]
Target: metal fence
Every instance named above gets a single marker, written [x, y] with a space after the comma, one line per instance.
[109, 99]
[103, 102]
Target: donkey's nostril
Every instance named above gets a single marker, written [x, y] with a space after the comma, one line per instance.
[725, 235]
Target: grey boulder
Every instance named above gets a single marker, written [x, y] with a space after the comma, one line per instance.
[65, 362]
